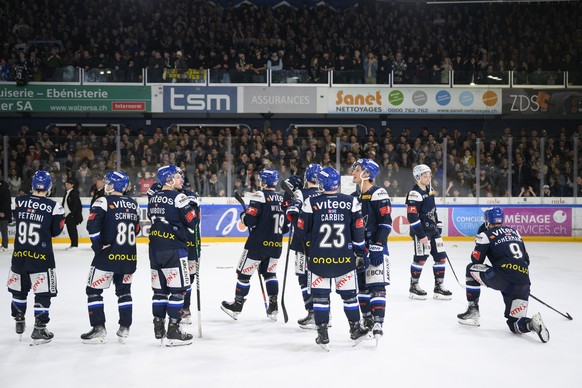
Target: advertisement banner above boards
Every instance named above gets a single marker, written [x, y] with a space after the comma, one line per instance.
[541, 102]
[190, 99]
[277, 99]
[417, 101]
[74, 99]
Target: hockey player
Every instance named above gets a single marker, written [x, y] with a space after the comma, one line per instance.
[193, 248]
[376, 211]
[193, 255]
[265, 219]
[333, 228]
[425, 230]
[38, 220]
[171, 216]
[508, 273]
[113, 224]
[310, 189]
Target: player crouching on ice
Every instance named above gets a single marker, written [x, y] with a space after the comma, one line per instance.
[508, 273]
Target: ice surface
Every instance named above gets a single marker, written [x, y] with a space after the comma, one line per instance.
[423, 345]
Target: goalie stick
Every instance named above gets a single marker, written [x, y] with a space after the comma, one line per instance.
[240, 200]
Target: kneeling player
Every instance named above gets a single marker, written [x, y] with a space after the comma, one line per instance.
[509, 274]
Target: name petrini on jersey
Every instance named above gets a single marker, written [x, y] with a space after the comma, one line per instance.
[377, 214]
[504, 248]
[172, 216]
[113, 224]
[334, 227]
[267, 224]
[421, 213]
[38, 220]
[297, 244]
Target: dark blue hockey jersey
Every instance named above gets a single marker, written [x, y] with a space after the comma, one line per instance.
[377, 214]
[171, 216]
[333, 227]
[193, 233]
[297, 244]
[421, 213]
[38, 220]
[266, 221]
[504, 248]
[112, 225]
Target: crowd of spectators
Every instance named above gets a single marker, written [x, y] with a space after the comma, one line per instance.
[84, 154]
[420, 43]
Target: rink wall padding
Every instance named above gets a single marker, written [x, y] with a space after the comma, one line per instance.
[537, 219]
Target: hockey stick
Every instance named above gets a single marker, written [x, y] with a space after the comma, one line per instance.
[287, 190]
[568, 316]
[198, 298]
[240, 200]
[454, 273]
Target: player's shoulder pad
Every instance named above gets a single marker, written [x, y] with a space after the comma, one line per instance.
[356, 205]
[414, 195]
[58, 209]
[299, 195]
[100, 203]
[482, 238]
[181, 201]
[380, 195]
[306, 207]
[258, 196]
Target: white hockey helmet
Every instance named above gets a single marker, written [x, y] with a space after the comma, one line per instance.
[420, 169]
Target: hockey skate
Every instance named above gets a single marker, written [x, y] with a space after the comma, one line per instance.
[322, 337]
[20, 325]
[273, 308]
[368, 322]
[308, 322]
[97, 335]
[358, 333]
[186, 317]
[176, 337]
[40, 335]
[416, 292]
[122, 334]
[377, 332]
[471, 316]
[160, 328]
[233, 309]
[537, 324]
[441, 293]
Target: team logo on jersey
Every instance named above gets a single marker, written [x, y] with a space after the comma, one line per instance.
[411, 209]
[252, 211]
[385, 210]
[359, 223]
[476, 255]
[190, 215]
[92, 216]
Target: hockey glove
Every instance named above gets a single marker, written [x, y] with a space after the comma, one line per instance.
[154, 189]
[376, 254]
[440, 228]
[294, 182]
[293, 210]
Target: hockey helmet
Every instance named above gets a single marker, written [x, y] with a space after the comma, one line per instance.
[494, 215]
[329, 179]
[118, 180]
[269, 177]
[166, 173]
[42, 181]
[420, 169]
[311, 172]
[369, 166]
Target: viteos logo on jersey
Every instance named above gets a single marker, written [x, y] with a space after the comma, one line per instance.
[333, 204]
[161, 199]
[125, 205]
[30, 204]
